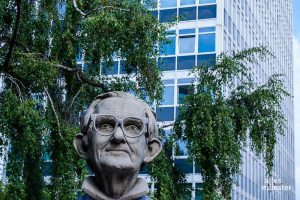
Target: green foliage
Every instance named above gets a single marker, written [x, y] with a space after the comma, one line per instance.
[216, 126]
[44, 90]
[169, 180]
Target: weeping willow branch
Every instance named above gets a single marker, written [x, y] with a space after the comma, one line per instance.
[14, 81]
[55, 113]
[82, 77]
[76, 95]
[96, 9]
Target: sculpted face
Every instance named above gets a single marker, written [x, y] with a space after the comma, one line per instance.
[110, 148]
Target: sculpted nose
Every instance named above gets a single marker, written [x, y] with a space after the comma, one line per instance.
[118, 136]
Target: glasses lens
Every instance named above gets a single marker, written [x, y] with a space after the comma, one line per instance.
[105, 124]
[133, 126]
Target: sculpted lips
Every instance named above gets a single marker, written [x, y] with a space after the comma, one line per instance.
[116, 150]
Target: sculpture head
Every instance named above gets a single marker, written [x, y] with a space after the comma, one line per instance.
[119, 134]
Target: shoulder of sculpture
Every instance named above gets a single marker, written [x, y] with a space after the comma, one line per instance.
[87, 197]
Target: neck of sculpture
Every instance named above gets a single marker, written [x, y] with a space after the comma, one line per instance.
[116, 184]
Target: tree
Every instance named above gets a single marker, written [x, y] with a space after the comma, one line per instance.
[44, 90]
[216, 126]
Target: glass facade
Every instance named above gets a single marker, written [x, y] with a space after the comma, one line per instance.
[195, 41]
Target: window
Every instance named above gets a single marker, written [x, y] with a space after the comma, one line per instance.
[183, 90]
[150, 4]
[154, 13]
[207, 29]
[169, 15]
[229, 24]
[185, 62]
[206, 59]
[110, 69]
[225, 18]
[186, 2]
[167, 63]
[168, 3]
[206, 1]
[165, 114]
[187, 44]
[198, 191]
[168, 97]
[187, 13]
[184, 166]
[126, 68]
[206, 12]
[207, 42]
[168, 48]
[181, 149]
[234, 31]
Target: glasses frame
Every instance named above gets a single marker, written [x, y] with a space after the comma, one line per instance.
[119, 121]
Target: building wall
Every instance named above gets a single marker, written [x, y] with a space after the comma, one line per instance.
[250, 23]
[234, 25]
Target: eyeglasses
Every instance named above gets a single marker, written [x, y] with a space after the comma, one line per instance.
[106, 125]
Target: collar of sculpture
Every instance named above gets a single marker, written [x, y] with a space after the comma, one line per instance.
[90, 188]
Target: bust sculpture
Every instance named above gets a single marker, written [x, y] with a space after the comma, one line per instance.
[119, 136]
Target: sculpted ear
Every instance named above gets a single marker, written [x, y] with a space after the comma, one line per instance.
[154, 148]
[80, 144]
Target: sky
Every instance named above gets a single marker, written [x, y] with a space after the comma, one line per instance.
[297, 92]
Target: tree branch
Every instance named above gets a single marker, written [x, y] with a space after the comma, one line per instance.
[55, 113]
[74, 99]
[14, 81]
[14, 36]
[82, 77]
[96, 9]
[166, 125]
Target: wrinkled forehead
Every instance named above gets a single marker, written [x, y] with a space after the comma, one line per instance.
[121, 107]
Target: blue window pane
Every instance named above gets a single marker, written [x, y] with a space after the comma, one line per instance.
[165, 114]
[207, 29]
[199, 191]
[169, 81]
[168, 15]
[207, 43]
[168, 3]
[206, 1]
[185, 62]
[168, 97]
[181, 148]
[110, 70]
[47, 169]
[184, 166]
[187, 31]
[150, 4]
[167, 64]
[206, 12]
[197, 168]
[187, 44]
[168, 48]
[155, 14]
[187, 13]
[206, 60]
[172, 32]
[184, 80]
[183, 90]
[187, 2]
[126, 69]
